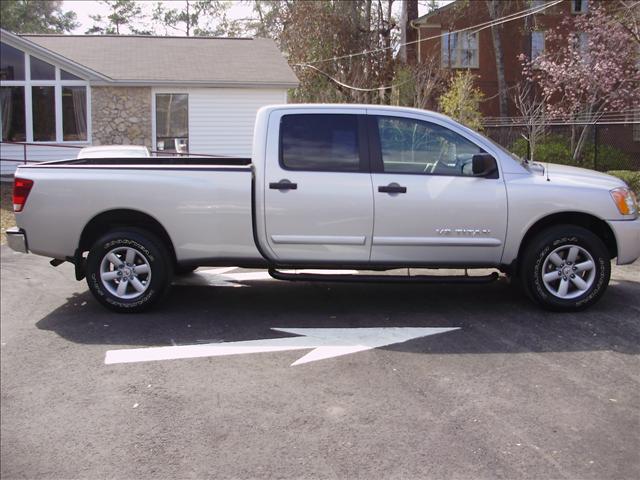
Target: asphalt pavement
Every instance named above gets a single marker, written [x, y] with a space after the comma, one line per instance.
[513, 392]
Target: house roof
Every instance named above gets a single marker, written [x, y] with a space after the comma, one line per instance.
[168, 60]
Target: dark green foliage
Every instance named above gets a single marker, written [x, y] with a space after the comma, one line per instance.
[557, 149]
[36, 16]
[632, 178]
[124, 13]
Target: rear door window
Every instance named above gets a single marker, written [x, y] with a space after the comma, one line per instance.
[319, 142]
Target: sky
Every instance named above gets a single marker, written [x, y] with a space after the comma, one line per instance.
[84, 8]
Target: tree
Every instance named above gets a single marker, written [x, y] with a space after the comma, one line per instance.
[627, 14]
[497, 9]
[532, 111]
[420, 85]
[36, 16]
[583, 76]
[124, 14]
[408, 53]
[196, 18]
[462, 101]
[326, 35]
[269, 22]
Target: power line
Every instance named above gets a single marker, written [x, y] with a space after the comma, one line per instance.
[351, 87]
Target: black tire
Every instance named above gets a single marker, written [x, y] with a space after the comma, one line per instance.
[537, 262]
[155, 283]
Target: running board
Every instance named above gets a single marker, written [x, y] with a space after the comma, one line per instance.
[310, 277]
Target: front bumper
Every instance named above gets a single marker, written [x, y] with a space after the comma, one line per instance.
[17, 239]
[627, 234]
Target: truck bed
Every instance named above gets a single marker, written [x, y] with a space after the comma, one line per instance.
[203, 203]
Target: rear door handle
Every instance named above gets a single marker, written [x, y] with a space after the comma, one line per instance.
[392, 188]
[283, 185]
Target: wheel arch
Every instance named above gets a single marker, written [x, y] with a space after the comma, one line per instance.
[123, 218]
[596, 225]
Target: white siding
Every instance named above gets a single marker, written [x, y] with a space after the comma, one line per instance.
[221, 119]
[35, 153]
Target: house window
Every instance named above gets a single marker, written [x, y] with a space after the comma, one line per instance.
[460, 50]
[579, 6]
[172, 122]
[40, 102]
[537, 44]
[636, 127]
[74, 113]
[583, 45]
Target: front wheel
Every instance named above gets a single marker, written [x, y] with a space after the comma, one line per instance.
[128, 270]
[565, 268]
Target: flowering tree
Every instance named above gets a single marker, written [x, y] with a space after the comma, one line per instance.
[587, 72]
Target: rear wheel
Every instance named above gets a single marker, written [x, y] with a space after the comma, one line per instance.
[128, 270]
[565, 268]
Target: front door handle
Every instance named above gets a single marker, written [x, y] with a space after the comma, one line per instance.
[283, 185]
[392, 188]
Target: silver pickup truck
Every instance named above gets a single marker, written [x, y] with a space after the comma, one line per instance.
[331, 187]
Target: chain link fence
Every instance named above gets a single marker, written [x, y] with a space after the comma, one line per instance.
[604, 147]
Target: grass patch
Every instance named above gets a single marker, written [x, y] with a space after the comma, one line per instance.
[7, 218]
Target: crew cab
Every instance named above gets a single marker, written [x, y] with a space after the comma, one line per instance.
[331, 187]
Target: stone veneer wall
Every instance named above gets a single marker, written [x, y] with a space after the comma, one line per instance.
[121, 115]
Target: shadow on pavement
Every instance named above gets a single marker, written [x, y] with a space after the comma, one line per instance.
[495, 318]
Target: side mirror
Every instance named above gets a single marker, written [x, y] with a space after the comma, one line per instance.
[484, 165]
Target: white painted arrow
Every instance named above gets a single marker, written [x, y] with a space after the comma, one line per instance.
[325, 342]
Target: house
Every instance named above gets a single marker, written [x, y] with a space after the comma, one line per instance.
[440, 42]
[475, 51]
[184, 94]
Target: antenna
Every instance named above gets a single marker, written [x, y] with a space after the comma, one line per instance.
[548, 171]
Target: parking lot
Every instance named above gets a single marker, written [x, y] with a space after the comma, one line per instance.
[514, 392]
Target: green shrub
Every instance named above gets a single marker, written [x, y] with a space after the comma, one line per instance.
[557, 149]
[609, 158]
[553, 149]
[632, 178]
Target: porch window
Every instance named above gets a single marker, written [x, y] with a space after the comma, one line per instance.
[460, 50]
[11, 63]
[44, 114]
[12, 108]
[40, 102]
[172, 122]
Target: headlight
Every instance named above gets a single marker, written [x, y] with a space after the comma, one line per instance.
[625, 200]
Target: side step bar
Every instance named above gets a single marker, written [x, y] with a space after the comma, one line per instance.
[318, 277]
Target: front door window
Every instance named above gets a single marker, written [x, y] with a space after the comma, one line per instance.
[414, 146]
